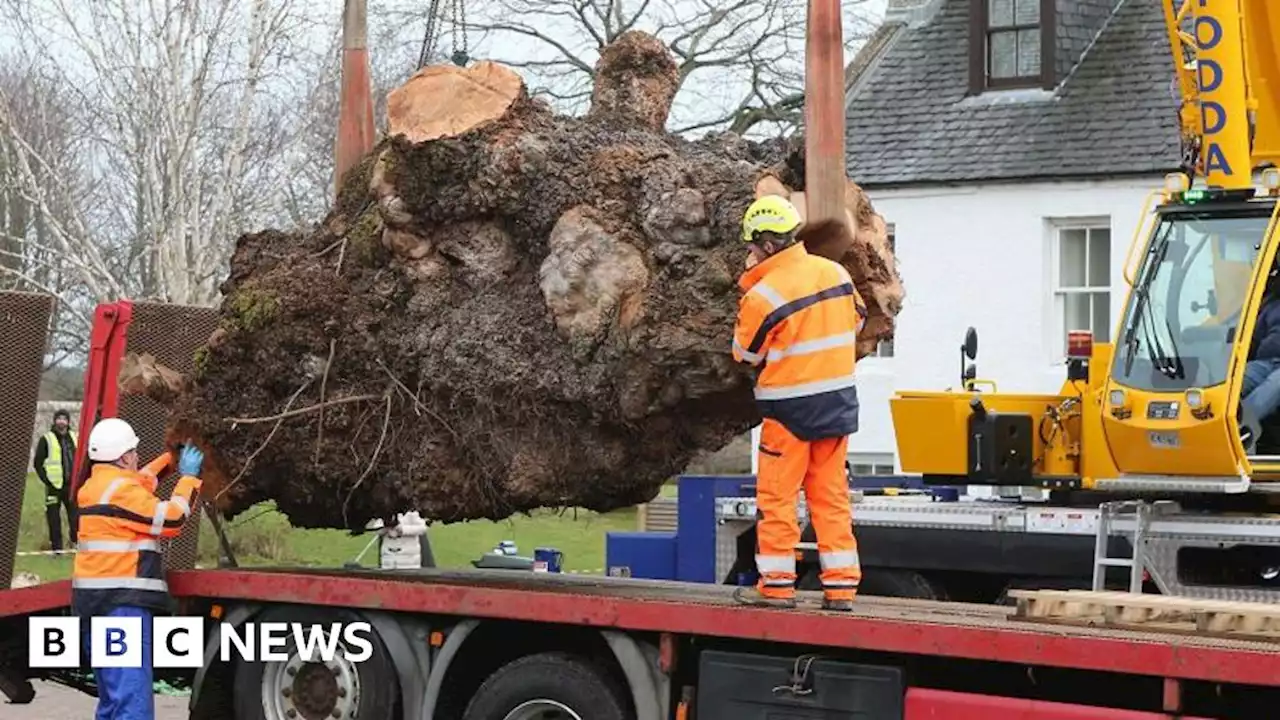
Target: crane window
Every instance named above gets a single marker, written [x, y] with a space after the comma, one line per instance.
[1179, 325]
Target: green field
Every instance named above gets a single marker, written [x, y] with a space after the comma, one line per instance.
[262, 536]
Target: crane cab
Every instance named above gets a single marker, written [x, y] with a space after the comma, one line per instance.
[1172, 401]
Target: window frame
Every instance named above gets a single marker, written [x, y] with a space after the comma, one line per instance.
[1059, 292]
[879, 464]
[980, 31]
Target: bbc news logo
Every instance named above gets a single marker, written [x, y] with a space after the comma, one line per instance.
[179, 642]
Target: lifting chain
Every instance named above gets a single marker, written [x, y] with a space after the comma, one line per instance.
[429, 38]
[457, 17]
[460, 56]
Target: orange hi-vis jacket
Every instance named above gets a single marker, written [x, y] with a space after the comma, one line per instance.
[118, 559]
[799, 321]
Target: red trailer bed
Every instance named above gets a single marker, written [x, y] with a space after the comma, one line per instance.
[558, 609]
[36, 599]
[917, 627]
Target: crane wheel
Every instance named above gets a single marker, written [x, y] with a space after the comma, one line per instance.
[549, 686]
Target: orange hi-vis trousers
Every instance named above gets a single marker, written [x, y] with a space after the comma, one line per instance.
[787, 464]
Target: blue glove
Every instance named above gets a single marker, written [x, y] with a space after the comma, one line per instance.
[190, 460]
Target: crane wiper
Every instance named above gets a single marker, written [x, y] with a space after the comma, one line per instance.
[1175, 360]
[1160, 360]
[1160, 247]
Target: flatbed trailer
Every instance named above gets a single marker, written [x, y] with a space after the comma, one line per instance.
[944, 544]
[480, 645]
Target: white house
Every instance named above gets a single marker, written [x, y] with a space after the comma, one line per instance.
[1011, 145]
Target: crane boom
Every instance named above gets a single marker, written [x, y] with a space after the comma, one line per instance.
[824, 112]
[1227, 65]
[355, 137]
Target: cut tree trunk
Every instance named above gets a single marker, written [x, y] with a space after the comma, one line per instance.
[507, 309]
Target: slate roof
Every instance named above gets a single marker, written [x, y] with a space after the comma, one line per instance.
[911, 118]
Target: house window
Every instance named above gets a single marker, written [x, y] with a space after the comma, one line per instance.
[870, 464]
[885, 347]
[1083, 281]
[1011, 44]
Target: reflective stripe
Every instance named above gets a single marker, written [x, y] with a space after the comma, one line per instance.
[839, 583]
[753, 358]
[778, 582]
[848, 339]
[157, 521]
[838, 559]
[776, 564]
[783, 312]
[770, 295]
[119, 584]
[804, 389]
[111, 489]
[117, 545]
[182, 503]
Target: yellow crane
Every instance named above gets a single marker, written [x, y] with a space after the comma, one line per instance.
[1160, 409]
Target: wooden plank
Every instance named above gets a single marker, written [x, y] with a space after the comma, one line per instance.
[1151, 612]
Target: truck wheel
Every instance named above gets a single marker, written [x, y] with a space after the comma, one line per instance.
[883, 582]
[321, 690]
[548, 686]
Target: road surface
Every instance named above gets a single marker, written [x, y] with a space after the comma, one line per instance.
[58, 702]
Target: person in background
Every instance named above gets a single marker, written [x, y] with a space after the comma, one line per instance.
[1260, 394]
[118, 570]
[55, 454]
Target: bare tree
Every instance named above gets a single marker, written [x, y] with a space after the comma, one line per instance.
[33, 112]
[182, 110]
[741, 61]
[308, 179]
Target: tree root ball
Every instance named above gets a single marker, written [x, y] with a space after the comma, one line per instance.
[534, 312]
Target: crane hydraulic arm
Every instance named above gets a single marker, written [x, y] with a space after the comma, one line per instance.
[1228, 67]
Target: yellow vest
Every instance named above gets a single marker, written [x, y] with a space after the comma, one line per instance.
[53, 463]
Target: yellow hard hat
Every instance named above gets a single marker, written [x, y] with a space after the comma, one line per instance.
[771, 213]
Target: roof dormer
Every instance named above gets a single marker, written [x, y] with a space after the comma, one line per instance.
[1012, 44]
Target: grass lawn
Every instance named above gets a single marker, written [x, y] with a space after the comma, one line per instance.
[262, 536]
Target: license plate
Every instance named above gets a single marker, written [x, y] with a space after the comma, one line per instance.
[1163, 439]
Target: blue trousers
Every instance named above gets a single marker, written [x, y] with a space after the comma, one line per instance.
[1261, 390]
[126, 693]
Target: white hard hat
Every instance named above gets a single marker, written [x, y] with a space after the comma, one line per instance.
[110, 439]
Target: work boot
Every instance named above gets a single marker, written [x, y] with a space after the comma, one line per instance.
[1250, 430]
[753, 597]
[838, 605]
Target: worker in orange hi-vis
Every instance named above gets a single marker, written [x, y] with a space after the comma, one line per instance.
[798, 323]
[119, 571]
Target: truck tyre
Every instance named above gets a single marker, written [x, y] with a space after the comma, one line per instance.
[368, 690]
[883, 582]
[548, 686]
